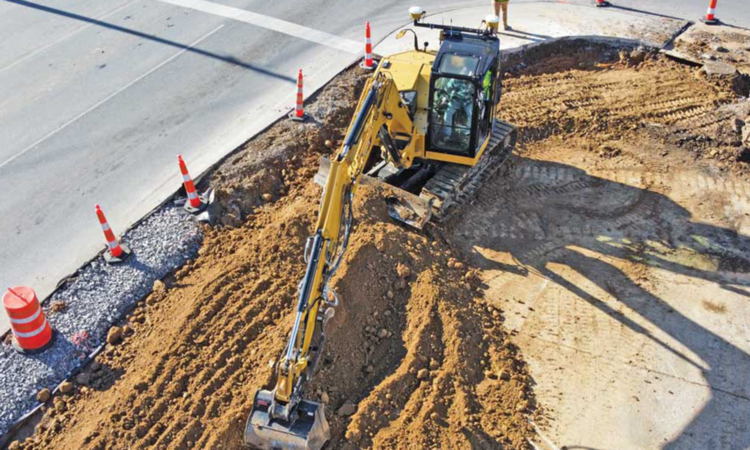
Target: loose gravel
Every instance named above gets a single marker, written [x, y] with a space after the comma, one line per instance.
[96, 298]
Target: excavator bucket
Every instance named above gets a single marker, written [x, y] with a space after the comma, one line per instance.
[308, 432]
[403, 206]
[409, 209]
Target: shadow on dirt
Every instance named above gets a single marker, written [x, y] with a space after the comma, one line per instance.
[558, 214]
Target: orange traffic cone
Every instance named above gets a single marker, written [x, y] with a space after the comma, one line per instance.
[31, 331]
[710, 17]
[368, 62]
[194, 202]
[116, 252]
[200, 205]
[299, 110]
[601, 3]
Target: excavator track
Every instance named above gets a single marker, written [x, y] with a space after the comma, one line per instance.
[454, 184]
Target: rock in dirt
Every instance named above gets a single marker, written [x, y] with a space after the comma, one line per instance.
[15, 445]
[423, 374]
[43, 395]
[738, 124]
[403, 270]
[719, 48]
[353, 434]
[83, 378]
[719, 68]
[159, 286]
[347, 409]
[267, 197]
[66, 387]
[638, 55]
[114, 336]
[58, 306]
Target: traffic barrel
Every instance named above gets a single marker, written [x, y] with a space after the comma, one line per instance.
[299, 109]
[117, 252]
[601, 3]
[368, 62]
[194, 202]
[710, 17]
[31, 331]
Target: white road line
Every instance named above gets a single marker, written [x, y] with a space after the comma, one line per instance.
[78, 30]
[109, 97]
[272, 23]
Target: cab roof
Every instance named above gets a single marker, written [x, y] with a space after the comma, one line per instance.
[484, 47]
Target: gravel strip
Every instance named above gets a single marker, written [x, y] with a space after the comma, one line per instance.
[95, 300]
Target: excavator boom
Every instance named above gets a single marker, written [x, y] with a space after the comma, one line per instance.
[281, 418]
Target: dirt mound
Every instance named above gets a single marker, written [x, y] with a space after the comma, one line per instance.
[415, 358]
[426, 364]
[432, 367]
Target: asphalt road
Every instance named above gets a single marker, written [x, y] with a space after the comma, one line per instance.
[97, 97]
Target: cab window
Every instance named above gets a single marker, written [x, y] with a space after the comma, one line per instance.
[452, 114]
[459, 65]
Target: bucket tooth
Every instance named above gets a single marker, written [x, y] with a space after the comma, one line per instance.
[309, 431]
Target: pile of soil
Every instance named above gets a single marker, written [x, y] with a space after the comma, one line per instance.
[415, 358]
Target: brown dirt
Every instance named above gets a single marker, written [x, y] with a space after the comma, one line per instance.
[425, 362]
[424, 358]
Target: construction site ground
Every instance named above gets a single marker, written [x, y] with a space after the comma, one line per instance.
[594, 295]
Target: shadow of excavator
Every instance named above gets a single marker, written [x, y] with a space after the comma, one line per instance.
[558, 214]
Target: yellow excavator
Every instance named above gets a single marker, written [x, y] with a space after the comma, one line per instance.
[426, 124]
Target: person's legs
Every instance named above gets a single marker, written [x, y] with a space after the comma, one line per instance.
[496, 7]
[505, 14]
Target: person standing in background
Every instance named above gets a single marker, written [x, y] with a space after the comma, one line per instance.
[497, 4]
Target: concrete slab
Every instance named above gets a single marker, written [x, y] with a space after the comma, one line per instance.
[714, 44]
[533, 23]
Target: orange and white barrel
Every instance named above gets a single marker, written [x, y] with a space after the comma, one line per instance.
[29, 326]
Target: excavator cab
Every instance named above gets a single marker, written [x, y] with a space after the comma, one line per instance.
[464, 89]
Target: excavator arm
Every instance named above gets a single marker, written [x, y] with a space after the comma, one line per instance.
[281, 418]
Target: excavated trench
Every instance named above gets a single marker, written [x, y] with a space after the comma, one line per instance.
[418, 356]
